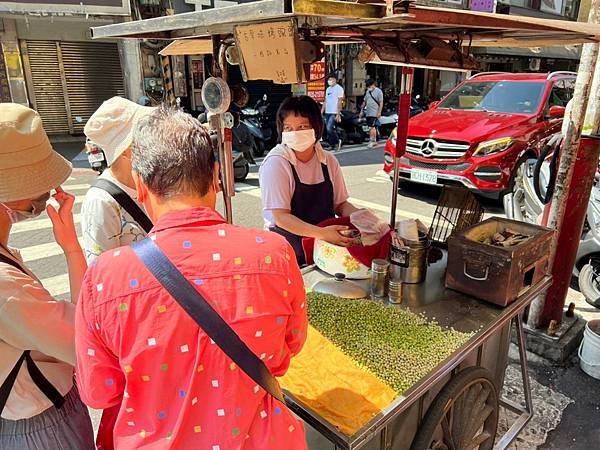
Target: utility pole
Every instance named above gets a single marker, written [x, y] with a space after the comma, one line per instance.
[542, 310]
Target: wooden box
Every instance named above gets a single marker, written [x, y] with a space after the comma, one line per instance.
[497, 274]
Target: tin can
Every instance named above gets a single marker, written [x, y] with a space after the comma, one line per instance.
[379, 277]
[395, 292]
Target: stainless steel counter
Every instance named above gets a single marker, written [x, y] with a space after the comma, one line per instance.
[450, 309]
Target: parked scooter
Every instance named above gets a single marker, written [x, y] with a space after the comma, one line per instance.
[95, 156]
[261, 125]
[389, 117]
[242, 143]
[533, 189]
[351, 128]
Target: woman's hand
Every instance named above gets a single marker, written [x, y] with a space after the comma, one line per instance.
[62, 221]
[332, 235]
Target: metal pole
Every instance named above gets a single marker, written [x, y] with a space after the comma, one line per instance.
[223, 124]
[589, 57]
[401, 133]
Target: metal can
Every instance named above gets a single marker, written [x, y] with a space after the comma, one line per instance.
[352, 234]
[379, 276]
[395, 292]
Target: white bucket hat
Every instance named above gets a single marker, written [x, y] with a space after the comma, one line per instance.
[29, 167]
[111, 126]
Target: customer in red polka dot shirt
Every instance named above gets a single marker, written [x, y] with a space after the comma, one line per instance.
[138, 348]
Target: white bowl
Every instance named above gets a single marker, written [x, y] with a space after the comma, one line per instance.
[334, 259]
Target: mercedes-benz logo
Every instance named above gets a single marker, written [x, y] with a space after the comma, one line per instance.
[428, 147]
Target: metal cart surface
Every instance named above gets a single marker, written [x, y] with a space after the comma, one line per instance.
[397, 425]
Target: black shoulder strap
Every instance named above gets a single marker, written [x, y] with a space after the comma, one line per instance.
[205, 316]
[371, 94]
[34, 372]
[126, 203]
[12, 262]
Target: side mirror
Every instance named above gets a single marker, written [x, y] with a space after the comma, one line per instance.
[433, 104]
[556, 112]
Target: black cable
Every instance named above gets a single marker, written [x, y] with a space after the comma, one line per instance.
[552, 145]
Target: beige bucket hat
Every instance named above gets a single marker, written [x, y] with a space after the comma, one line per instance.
[112, 125]
[29, 167]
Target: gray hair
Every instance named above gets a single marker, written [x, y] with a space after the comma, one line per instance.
[173, 154]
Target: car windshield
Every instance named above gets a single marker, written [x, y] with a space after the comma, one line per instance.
[498, 96]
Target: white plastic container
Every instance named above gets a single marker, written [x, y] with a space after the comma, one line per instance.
[334, 259]
[589, 351]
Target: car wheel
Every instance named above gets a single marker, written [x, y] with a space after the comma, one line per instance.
[241, 173]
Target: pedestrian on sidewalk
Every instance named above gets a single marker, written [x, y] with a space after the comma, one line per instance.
[301, 184]
[372, 109]
[332, 110]
[111, 216]
[39, 403]
[139, 348]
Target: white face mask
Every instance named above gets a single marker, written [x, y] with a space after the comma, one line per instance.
[38, 205]
[299, 140]
[330, 82]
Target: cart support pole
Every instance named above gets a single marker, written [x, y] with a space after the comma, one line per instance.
[526, 413]
[224, 137]
[401, 133]
[542, 310]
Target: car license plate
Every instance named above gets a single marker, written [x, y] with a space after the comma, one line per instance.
[424, 176]
[95, 157]
[366, 128]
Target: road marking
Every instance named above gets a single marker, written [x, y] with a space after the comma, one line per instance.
[255, 192]
[35, 252]
[78, 199]
[400, 213]
[76, 187]
[58, 285]
[38, 224]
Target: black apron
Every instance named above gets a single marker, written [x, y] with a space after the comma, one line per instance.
[311, 203]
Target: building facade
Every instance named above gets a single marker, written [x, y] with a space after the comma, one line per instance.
[49, 62]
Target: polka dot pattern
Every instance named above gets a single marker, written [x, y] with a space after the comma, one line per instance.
[174, 371]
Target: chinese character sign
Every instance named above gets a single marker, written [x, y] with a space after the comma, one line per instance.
[316, 85]
[269, 51]
[482, 5]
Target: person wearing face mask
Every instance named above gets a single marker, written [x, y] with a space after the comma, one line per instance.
[40, 406]
[302, 184]
[332, 110]
[111, 216]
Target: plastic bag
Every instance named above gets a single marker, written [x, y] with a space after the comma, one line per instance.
[410, 229]
[371, 227]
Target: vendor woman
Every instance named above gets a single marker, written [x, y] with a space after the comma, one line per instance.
[302, 184]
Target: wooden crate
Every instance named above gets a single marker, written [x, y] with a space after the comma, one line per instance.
[497, 274]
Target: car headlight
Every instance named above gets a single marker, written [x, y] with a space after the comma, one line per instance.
[494, 146]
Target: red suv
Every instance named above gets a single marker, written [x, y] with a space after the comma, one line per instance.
[484, 130]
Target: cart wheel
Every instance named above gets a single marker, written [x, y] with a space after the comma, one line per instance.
[464, 415]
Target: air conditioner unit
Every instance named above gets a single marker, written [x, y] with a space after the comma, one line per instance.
[535, 64]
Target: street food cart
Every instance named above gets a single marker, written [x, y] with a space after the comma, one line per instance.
[277, 40]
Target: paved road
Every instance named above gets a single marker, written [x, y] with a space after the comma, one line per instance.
[368, 187]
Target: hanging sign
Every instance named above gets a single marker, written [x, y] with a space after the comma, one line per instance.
[316, 85]
[268, 52]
